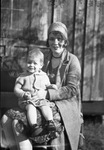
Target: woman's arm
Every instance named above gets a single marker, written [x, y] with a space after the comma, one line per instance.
[72, 82]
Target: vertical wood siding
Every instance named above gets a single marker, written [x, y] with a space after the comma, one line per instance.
[85, 22]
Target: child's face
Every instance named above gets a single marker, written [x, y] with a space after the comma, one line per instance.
[33, 65]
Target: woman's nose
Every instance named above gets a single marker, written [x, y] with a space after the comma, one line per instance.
[56, 40]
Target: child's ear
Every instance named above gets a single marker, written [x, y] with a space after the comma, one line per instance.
[41, 65]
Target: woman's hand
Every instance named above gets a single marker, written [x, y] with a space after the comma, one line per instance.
[52, 86]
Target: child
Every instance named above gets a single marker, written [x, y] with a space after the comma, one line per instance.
[30, 88]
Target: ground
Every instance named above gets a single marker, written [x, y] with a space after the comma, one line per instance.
[94, 134]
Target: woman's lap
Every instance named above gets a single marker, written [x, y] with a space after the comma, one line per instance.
[13, 133]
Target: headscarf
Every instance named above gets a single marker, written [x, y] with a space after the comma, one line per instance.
[60, 27]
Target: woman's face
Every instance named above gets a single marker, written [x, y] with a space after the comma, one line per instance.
[56, 42]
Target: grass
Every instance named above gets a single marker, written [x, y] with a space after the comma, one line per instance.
[94, 135]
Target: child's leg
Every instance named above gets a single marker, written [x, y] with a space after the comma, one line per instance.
[32, 119]
[47, 112]
[31, 114]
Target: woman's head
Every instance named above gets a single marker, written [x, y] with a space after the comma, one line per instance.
[60, 27]
[35, 60]
[57, 37]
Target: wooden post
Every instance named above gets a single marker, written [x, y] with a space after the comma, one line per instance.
[52, 12]
[83, 48]
[74, 21]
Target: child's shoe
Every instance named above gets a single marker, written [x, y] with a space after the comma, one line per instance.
[50, 125]
[36, 130]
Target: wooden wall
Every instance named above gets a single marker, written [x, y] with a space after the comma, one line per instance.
[85, 22]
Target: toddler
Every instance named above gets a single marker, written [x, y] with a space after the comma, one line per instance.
[30, 88]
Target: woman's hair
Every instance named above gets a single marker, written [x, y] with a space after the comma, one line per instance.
[36, 53]
[59, 27]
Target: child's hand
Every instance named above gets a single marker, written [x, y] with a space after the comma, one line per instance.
[52, 86]
[27, 96]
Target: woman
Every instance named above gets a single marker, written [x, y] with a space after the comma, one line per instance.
[64, 70]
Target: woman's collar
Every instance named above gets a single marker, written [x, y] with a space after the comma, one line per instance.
[64, 57]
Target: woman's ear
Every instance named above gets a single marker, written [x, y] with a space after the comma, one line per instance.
[66, 43]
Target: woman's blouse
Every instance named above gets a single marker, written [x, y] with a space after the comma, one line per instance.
[52, 74]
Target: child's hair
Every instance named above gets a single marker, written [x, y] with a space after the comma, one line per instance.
[36, 53]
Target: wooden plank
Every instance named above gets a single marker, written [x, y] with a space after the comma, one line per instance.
[93, 108]
[8, 100]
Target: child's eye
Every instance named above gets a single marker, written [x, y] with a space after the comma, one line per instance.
[29, 62]
[35, 63]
